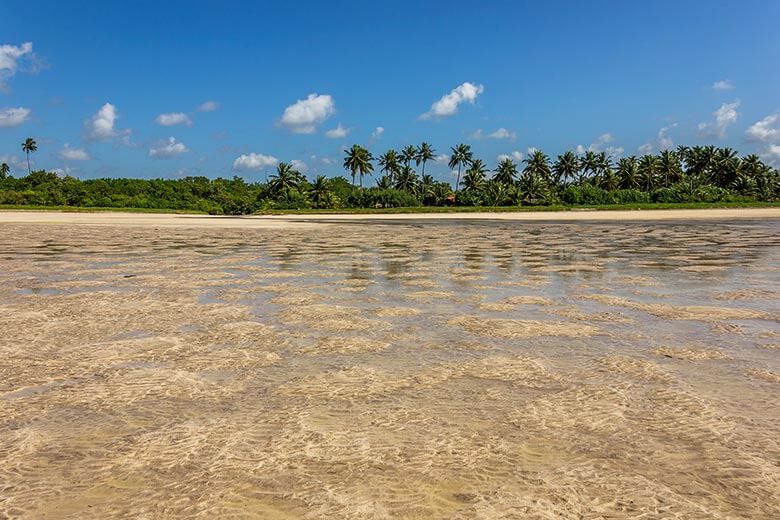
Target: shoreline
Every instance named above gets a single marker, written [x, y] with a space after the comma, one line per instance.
[119, 218]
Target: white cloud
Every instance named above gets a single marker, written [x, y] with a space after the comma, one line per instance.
[299, 165]
[254, 161]
[173, 119]
[766, 131]
[67, 170]
[516, 156]
[501, 133]
[9, 59]
[303, 116]
[723, 84]
[13, 161]
[377, 133]
[597, 146]
[10, 117]
[772, 155]
[725, 116]
[645, 149]
[73, 154]
[448, 104]
[101, 126]
[208, 106]
[170, 148]
[663, 141]
[442, 158]
[338, 132]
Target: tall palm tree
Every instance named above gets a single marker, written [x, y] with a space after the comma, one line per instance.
[29, 145]
[358, 161]
[425, 188]
[475, 179]
[388, 162]
[286, 177]
[425, 153]
[407, 179]
[320, 191]
[648, 171]
[590, 165]
[566, 167]
[506, 172]
[669, 167]
[628, 173]
[409, 154]
[461, 156]
[385, 182]
[538, 165]
[4, 170]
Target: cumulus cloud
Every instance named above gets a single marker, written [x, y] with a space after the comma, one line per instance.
[101, 126]
[448, 104]
[501, 133]
[208, 106]
[725, 116]
[723, 84]
[338, 132]
[377, 133]
[772, 155]
[516, 156]
[13, 161]
[598, 146]
[10, 56]
[173, 119]
[299, 165]
[168, 149]
[663, 141]
[254, 161]
[73, 154]
[10, 117]
[303, 116]
[442, 158]
[766, 131]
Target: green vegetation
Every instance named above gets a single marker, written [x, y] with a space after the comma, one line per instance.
[700, 176]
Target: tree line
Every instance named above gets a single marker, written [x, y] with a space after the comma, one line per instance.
[685, 174]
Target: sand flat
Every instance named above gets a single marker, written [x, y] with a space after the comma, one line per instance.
[277, 221]
[159, 366]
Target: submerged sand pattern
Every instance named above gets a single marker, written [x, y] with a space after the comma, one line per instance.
[487, 370]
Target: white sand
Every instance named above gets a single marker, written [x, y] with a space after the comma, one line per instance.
[281, 221]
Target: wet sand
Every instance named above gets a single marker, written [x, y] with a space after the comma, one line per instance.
[283, 368]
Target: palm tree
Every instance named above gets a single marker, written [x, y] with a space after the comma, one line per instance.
[358, 160]
[475, 179]
[425, 153]
[407, 179]
[461, 156]
[385, 182]
[425, 188]
[566, 166]
[408, 154]
[669, 166]
[648, 170]
[628, 173]
[286, 177]
[506, 172]
[320, 190]
[388, 163]
[4, 170]
[29, 145]
[538, 165]
[590, 165]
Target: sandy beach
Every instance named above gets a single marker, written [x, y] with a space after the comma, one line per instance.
[168, 366]
[277, 221]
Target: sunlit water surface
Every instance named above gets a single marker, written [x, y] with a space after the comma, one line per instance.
[454, 370]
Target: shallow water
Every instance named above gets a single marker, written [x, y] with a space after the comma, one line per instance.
[368, 370]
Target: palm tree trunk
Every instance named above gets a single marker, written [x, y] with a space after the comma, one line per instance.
[28, 163]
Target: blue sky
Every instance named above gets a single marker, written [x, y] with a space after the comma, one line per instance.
[101, 78]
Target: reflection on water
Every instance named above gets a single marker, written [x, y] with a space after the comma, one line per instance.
[369, 370]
